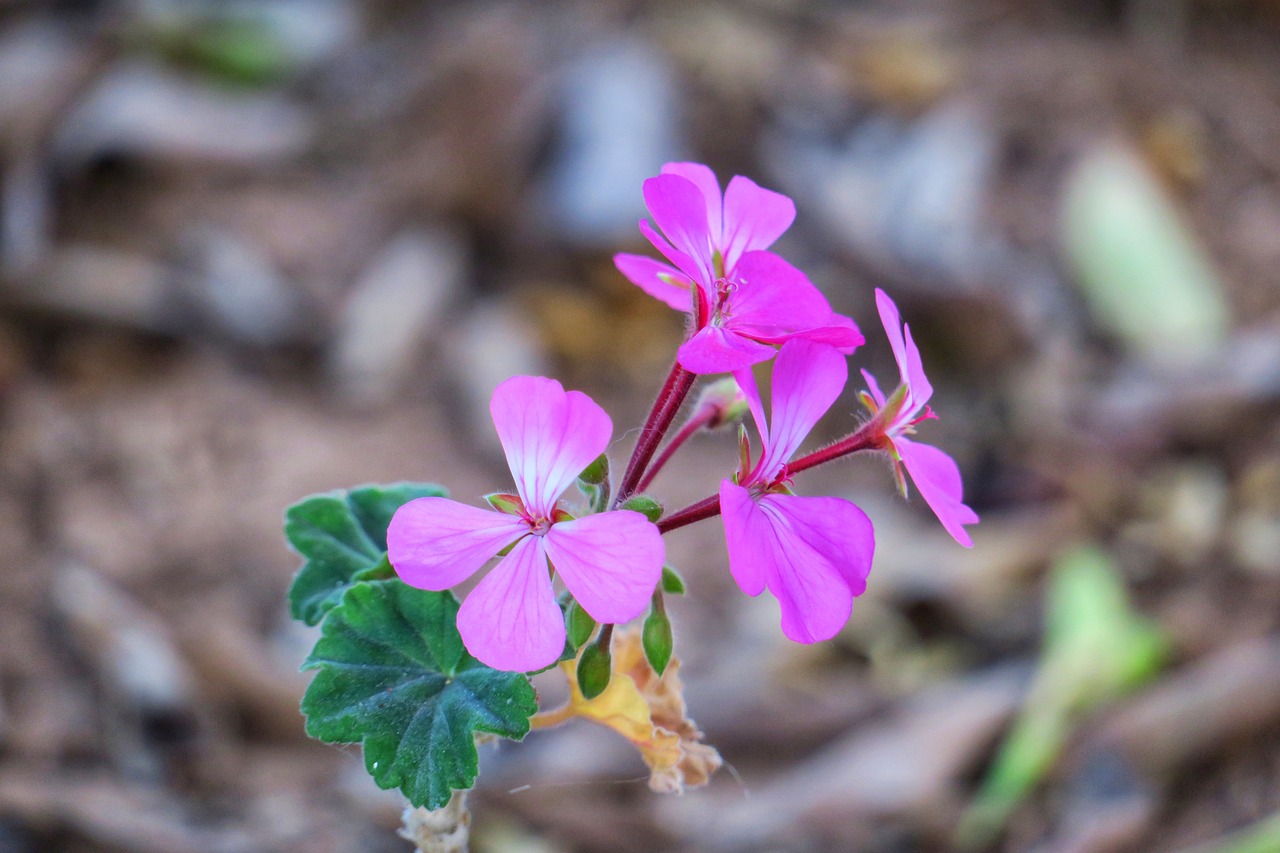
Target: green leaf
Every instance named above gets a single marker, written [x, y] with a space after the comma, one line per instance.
[342, 535]
[393, 675]
[1096, 650]
[1140, 266]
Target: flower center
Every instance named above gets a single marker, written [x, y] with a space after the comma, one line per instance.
[539, 526]
[720, 309]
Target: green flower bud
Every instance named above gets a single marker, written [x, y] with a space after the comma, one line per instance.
[644, 505]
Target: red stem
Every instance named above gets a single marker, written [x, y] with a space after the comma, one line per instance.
[866, 438]
[697, 422]
[664, 410]
[705, 508]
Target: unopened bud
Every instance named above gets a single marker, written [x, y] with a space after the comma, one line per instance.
[657, 638]
[578, 625]
[725, 401]
[644, 505]
[595, 666]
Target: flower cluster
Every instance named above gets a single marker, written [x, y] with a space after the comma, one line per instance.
[746, 305]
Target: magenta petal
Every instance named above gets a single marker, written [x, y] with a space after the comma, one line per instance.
[549, 436]
[835, 528]
[921, 390]
[705, 180]
[807, 379]
[717, 350]
[745, 537]
[813, 554]
[874, 388]
[511, 621]
[937, 477]
[436, 543]
[904, 351]
[659, 280]
[840, 332]
[611, 562]
[680, 210]
[746, 379]
[753, 218]
[773, 294]
[679, 259]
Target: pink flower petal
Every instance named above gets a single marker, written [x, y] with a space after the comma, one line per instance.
[920, 388]
[610, 561]
[905, 352]
[718, 350]
[813, 554]
[753, 219]
[659, 280]
[874, 388]
[549, 436]
[511, 621]
[745, 535]
[680, 210]
[835, 528]
[937, 477]
[774, 295]
[679, 259]
[807, 379]
[840, 332]
[436, 543]
[705, 180]
[746, 380]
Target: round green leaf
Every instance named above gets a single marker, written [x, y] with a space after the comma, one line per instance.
[392, 674]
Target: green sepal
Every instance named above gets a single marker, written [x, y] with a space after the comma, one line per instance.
[672, 583]
[393, 675]
[597, 472]
[505, 502]
[578, 625]
[657, 638]
[594, 669]
[644, 505]
[342, 536]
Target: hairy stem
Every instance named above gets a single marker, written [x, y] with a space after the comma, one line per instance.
[445, 830]
[664, 410]
[705, 508]
[868, 437]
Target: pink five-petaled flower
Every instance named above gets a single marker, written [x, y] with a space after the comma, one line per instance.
[935, 473]
[813, 554]
[745, 301]
[610, 561]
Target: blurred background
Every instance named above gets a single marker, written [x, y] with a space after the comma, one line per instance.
[255, 250]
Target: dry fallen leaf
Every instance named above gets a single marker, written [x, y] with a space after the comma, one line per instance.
[648, 710]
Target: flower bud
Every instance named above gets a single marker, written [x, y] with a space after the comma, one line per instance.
[725, 400]
[644, 505]
[657, 638]
[595, 667]
[578, 625]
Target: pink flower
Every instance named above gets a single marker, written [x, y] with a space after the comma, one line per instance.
[935, 473]
[745, 301]
[610, 561]
[813, 554]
